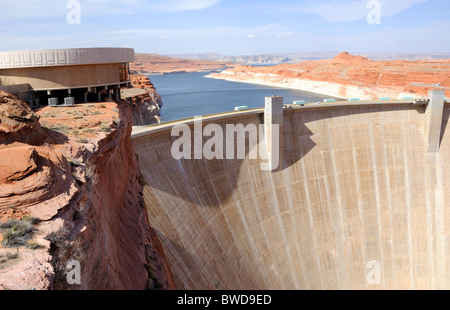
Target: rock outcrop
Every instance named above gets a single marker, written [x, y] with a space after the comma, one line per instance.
[143, 82]
[86, 195]
[347, 76]
[32, 176]
[146, 101]
[18, 123]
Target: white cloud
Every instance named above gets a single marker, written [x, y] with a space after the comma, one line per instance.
[286, 34]
[26, 9]
[338, 11]
[226, 39]
[181, 5]
[218, 31]
[233, 41]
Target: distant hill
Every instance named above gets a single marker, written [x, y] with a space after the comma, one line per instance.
[299, 57]
[347, 75]
[158, 64]
[244, 59]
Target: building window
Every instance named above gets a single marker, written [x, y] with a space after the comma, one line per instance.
[124, 72]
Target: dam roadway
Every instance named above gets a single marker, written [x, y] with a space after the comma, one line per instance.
[359, 189]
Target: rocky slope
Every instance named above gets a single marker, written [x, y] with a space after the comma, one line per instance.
[74, 171]
[146, 101]
[347, 76]
[157, 64]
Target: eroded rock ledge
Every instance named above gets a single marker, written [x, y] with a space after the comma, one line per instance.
[146, 101]
[81, 181]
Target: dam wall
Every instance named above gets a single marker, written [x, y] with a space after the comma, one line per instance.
[356, 190]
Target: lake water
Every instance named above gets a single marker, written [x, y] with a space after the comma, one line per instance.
[191, 94]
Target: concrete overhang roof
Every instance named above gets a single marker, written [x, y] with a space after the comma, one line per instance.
[65, 57]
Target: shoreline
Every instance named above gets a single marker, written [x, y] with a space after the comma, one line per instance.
[214, 70]
[332, 89]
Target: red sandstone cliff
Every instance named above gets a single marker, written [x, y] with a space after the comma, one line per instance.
[146, 101]
[350, 76]
[84, 187]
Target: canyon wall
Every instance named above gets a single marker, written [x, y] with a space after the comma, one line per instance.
[115, 243]
[146, 101]
[83, 185]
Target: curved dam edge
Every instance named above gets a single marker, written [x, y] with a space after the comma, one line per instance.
[356, 185]
[146, 129]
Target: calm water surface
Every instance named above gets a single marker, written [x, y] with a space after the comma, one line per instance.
[191, 94]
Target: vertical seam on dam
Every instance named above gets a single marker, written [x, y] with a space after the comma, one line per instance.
[409, 220]
[311, 223]
[340, 231]
[429, 220]
[377, 199]
[391, 221]
[439, 243]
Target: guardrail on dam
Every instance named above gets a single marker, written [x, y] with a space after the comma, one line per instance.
[358, 202]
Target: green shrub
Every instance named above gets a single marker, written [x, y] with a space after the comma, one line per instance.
[17, 232]
[104, 126]
[75, 162]
[59, 240]
[31, 219]
[64, 129]
[7, 256]
[10, 255]
[32, 244]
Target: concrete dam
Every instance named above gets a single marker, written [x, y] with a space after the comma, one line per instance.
[361, 187]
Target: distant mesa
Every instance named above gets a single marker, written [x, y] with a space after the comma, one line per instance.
[346, 57]
[158, 64]
[347, 76]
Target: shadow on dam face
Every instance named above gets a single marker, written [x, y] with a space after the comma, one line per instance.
[356, 186]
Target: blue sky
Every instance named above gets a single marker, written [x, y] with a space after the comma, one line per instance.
[230, 27]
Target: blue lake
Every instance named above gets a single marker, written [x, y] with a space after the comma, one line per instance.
[191, 94]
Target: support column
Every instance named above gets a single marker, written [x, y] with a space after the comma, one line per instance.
[117, 94]
[273, 131]
[433, 116]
